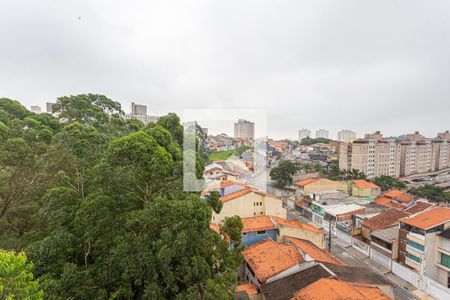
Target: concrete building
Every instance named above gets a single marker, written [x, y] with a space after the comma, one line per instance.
[374, 136]
[322, 133]
[138, 109]
[443, 258]
[372, 157]
[139, 112]
[36, 109]
[303, 133]
[49, 107]
[244, 129]
[421, 246]
[346, 135]
[444, 135]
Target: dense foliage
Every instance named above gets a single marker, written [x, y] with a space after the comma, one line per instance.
[16, 277]
[311, 141]
[283, 172]
[225, 154]
[431, 192]
[387, 183]
[97, 202]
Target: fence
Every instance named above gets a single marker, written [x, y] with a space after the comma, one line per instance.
[406, 274]
[435, 289]
[380, 258]
[360, 246]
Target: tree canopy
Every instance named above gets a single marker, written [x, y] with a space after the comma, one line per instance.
[387, 183]
[97, 202]
[431, 192]
[283, 172]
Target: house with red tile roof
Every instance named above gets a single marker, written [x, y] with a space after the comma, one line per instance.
[400, 197]
[246, 201]
[267, 260]
[364, 188]
[419, 206]
[296, 229]
[418, 237]
[311, 252]
[332, 289]
[256, 229]
[247, 291]
[383, 220]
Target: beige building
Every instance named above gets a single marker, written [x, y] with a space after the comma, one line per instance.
[244, 129]
[346, 135]
[309, 185]
[247, 202]
[375, 156]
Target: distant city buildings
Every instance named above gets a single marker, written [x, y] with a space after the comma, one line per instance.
[322, 133]
[36, 109]
[139, 112]
[346, 135]
[49, 107]
[244, 129]
[376, 156]
[303, 133]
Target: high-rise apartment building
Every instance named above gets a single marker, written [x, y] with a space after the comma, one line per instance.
[322, 133]
[139, 112]
[346, 135]
[138, 109]
[444, 135]
[303, 133]
[374, 136]
[49, 107]
[244, 129]
[377, 156]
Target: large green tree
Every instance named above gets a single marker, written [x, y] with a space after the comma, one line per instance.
[97, 202]
[431, 192]
[387, 183]
[283, 172]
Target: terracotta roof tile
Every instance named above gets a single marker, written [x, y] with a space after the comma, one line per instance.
[235, 195]
[429, 218]
[363, 184]
[249, 288]
[399, 196]
[296, 224]
[215, 227]
[332, 289]
[382, 201]
[267, 258]
[228, 183]
[385, 219]
[314, 252]
[307, 181]
[257, 223]
[418, 207]
[395, 206]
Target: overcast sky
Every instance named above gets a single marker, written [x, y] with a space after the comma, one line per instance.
[362, 65]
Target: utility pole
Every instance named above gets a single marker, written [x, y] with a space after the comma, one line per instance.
[329, 235]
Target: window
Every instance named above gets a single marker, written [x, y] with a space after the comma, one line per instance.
[244, 233]
[414, 258]
[261, 213]
[254, 213]
[260, 203]
[261, 232]
[445, 260]
[416, 245]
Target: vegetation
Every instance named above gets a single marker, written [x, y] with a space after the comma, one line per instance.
[310, 141]
[431, 192]
[334, 173]
[309, 167]
[97, 202]
[16, 277]
[224, 155]
[387, 183]
[283, 172]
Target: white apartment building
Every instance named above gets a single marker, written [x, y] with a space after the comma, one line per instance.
[303, 133]
[139, 112]
[322, 133]
[244, 129]
[346, 135]
[36, 109]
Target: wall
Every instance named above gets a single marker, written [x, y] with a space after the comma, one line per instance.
[324, 185]
[252, 237]
[316, 238]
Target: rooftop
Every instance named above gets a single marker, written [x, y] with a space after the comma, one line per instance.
[307, 181]
[429, 218]
[358, 274]
[284, 288]
[418, 207]
[363, 184]
[296, 224]
[314, 252]
[399, 196]
[341, 209]
[234, 195]
[382, 200]
[257, 223]
[389, 234]
[332, 289]
[267, 258]
[248, 288]
[384, 219]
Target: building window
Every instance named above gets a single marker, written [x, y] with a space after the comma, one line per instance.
[260, 203]
[261, 232]
[416, 245]
[445, 260]
[414, 258]
[244, 233]
[254, 213]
